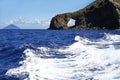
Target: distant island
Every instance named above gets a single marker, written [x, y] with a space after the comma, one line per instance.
[101, 14]
[11, 26]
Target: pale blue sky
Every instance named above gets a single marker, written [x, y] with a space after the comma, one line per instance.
[13, 11]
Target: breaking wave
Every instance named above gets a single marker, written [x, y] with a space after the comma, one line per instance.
[84, 59]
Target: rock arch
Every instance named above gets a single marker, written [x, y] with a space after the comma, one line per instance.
[60, 21]
[101, 14]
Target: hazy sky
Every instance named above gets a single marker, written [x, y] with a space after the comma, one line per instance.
[35, 13]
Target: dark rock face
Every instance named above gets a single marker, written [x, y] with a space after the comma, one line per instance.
[101, 14]
[60, 21]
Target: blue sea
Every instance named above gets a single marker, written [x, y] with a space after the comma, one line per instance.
[59, 54]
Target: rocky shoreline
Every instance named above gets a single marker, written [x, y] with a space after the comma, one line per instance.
[101, 14]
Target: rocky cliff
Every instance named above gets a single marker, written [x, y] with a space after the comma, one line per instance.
[101, 14]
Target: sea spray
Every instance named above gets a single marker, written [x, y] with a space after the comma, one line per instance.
[85, 59]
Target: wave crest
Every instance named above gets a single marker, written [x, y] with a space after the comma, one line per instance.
[84, 59]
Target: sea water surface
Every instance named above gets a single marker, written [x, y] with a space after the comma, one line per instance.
[59, 55]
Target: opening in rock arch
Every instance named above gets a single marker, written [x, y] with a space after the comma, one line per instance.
[71, 23]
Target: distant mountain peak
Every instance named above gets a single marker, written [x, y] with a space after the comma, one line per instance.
[11, 26]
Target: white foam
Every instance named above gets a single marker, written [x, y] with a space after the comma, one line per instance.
[112, 37]
[86, 62]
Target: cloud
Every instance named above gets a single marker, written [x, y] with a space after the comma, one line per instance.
[10, 22]
[29, 23]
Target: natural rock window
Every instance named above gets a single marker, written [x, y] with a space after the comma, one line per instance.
[101, 14]
[71, 23]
